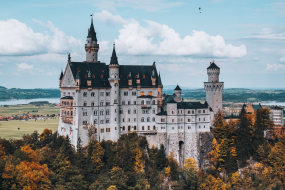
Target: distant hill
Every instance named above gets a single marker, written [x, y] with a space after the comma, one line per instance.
[17, 93]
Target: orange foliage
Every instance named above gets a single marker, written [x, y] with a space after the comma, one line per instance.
[35, 174]
[2, 153]
[9, 171]
[139, 164]
[45, 134]
[32, 155]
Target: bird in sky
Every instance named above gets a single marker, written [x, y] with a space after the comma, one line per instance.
[199, 8]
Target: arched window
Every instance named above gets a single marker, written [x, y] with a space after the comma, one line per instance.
[153, 119]
[85, 94]
[142, 128]
[101, 112]
[135, 127]
[148, 128]
[107, 112]
[142, 102]
[95, 112]
[199, 119]
[142, 119]
[154, 127]
[92, 103]
[95, 121]
[92, 94]
[153, 102]
[123, 128]
[123, 102]
[148, 119]
[135, 111]
[204, 120]
[129, 111]
[102, 103]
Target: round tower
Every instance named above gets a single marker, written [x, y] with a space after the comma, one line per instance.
[214, 88]
[91, 46]
[114, 82]
[177, 92]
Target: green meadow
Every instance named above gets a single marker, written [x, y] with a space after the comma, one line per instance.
[9, 129]
[24, 109]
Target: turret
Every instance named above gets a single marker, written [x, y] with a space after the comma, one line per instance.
[60, 78]
[213, 72]
[91, 47]
[177, 92]
[77, 81]
[153, 77]
[89, 80]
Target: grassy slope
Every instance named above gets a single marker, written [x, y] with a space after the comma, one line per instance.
[9, 129]
[20, 109]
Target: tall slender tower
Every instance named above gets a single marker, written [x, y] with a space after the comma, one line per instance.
[214, 88]
[91, 47]
[114, 82]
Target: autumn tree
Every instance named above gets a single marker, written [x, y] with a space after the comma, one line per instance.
[174, 167]
[190, 171]
[243, 143]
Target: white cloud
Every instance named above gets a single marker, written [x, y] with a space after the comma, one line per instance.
[135, 39]
[147, 5]
[24, 67]
[275, 67]
[255, 58]
[109, 18]
[16, 38]
[282, 60]
[267, 33]
[179, 68]
[1, 74]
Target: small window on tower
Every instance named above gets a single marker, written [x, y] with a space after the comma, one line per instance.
[101, 76]
[136, 76]
[102, 71]
[85, 76]
[86, 71]
[78, 70]
[128, 76]
[120, 76]
[144, 76]
[93, 76]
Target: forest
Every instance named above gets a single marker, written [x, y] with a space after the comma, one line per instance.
[240, 158]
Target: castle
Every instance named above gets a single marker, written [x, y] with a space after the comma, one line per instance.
[119, 99]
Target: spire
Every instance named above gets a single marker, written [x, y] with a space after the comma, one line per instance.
[69, 58]
[91, 31]
[114, 59]
[177, 87]
[77, 75]
[159, 80]
[61, 75]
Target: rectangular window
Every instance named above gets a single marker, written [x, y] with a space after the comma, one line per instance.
[108, 130]
[107, 93]
[85, 104]
[102, 130]
[203, 111]
[95, 121]
[101, 121]
[188, 112]
[107, 103]
[134, 93]
[199, 111]
[150, 93]
[101, 93]
[107, 121]
[84, 122]
[84, 113]
[147, 102]
[135, 102]
[129, 102]
[125, 93]
[135, 119]
[101, 103]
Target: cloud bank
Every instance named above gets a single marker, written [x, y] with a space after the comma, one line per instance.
[160, 39]
[16, 38]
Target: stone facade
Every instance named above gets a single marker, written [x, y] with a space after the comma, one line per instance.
[119, 99]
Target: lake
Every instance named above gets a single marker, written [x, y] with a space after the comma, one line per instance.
[26, 101]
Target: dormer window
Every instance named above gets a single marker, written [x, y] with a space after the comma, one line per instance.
[85, 76]
[144, 76]
[93, 76]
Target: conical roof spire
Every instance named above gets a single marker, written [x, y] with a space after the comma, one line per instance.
[91, 31]
[61, 75]
[159, 80]
[114, 59]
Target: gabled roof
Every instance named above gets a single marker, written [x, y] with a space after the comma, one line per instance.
[159, 80]
[162, 113]
[213, 66]
[256, 107]
[191, 105]
[99, 70]
[143, 72]
[169, 99]
[177, 87]
[91, 32]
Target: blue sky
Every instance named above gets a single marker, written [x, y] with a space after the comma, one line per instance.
[246, 38]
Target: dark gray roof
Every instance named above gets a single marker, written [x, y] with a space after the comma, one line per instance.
[213, 66]
[146, 96]
[177, 88]
[276, 108]
[159, 80]
[143, 72]
[100, 70]
[91, 32]
[191, 105]
[256, 107]
[169, 99]
[67, 97]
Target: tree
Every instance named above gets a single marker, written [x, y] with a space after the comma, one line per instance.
[141, 181]
[212, 183]
[174, 167]
[213, 155]
[161, 159]
[45, 137]
[96, 157]
[243, 144]
[118, 178]
[190, 171]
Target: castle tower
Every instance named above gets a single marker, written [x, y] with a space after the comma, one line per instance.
[91, 47]
[214, 88]
[114, 82]
[177, 92]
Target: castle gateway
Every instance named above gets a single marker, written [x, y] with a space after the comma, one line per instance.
[119, 99]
